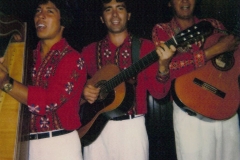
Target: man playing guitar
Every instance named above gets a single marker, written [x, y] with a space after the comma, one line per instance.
[198, 137]
[124, 137]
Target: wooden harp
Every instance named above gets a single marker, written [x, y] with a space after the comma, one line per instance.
[13, 134]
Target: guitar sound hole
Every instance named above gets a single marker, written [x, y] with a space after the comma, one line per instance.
[103, 91]
[224, 62]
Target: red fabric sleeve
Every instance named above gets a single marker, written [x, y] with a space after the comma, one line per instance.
[147, 81]
[89, 55]
[63, 91]
[63, 84]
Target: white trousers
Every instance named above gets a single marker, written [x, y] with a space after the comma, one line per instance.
[120, 140]
[63, 147]
[204, 138]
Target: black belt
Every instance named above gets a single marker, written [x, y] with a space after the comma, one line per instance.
[125, 117]
[47, 134]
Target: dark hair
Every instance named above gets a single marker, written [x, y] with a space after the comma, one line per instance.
[127, 3]
[63, 6]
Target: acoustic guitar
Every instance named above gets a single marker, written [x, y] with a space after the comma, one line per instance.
[212, 90]
[115, 97]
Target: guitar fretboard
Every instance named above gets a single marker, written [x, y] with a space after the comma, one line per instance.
[135, 68]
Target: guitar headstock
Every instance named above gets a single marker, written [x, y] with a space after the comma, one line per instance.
[193, 34]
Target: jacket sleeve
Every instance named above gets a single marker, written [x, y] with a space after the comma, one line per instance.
[147, 79]
[68, 80]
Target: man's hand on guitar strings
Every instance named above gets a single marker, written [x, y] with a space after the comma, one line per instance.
[199, 42]
[91, 93]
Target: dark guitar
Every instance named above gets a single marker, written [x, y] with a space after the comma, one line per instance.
[212, 90]
[115, 97]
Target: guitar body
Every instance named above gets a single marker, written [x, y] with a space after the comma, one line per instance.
[212, 90]
[115, 103]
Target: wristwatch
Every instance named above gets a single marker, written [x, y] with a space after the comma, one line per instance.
[8, 86]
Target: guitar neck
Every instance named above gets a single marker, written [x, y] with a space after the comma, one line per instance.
[135, 68]
[187, 36]
[132, 70]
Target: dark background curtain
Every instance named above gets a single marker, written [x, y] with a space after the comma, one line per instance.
[145, 14]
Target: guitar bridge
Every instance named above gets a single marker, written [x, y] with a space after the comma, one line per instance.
[209, 87]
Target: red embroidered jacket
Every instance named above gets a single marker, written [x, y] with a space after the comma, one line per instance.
[185, 59]
[121, 56]
[58, 81]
